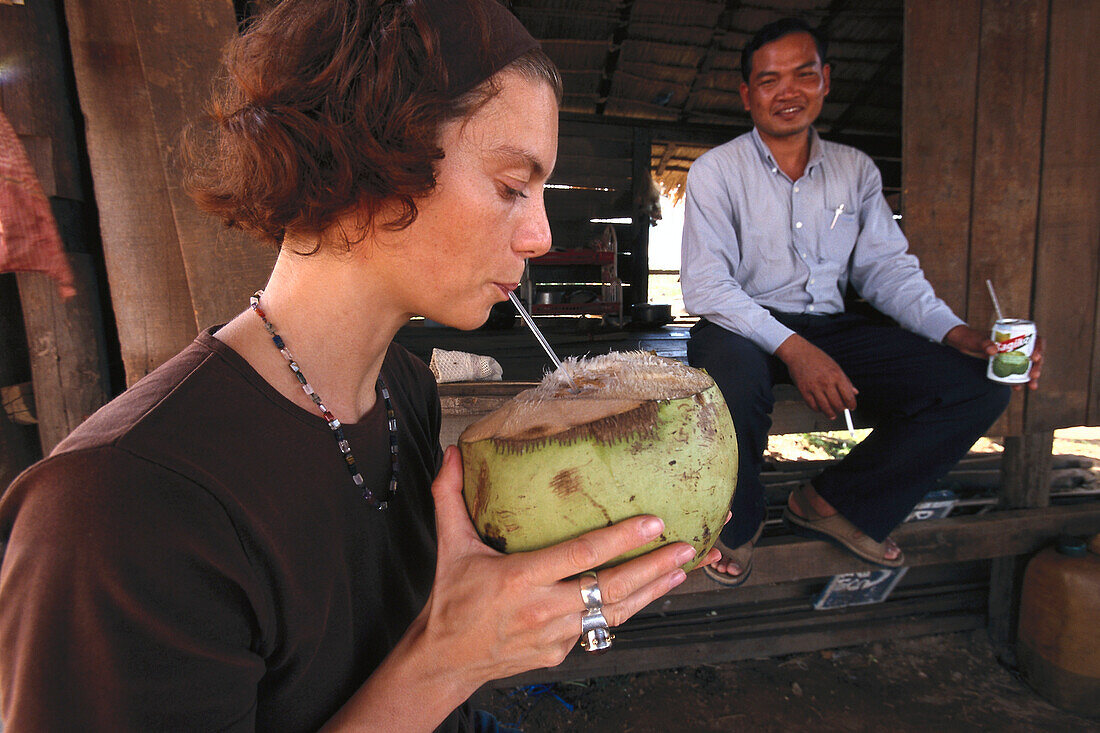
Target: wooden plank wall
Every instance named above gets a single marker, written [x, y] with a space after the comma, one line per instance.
[938, 138]
[67, 347]
[1000, 180]
[593, 156]
[181, 45]
[1005, 199]
[1067, 267]
[142, 72]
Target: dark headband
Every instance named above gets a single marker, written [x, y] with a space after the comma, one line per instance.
[477, 38]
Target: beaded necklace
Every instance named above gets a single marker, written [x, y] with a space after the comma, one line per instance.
[378, 502]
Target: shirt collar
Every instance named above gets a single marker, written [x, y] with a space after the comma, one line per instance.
[816, 156]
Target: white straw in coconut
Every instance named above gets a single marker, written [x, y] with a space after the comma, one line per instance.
[541, 339]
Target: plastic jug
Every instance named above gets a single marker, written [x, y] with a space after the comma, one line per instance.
[1058, 641]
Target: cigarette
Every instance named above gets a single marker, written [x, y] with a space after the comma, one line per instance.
[848, 420]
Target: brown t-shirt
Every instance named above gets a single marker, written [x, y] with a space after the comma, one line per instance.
[196, 557]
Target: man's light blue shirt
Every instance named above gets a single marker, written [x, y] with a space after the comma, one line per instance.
[754, 239]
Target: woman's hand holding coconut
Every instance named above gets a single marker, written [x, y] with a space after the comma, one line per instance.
[492, 615]
[525, 609]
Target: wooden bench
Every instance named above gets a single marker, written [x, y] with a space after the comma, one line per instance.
[963, 570]
[465, 402]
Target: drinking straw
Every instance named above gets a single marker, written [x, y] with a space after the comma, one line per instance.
[542, 339]
[996, 305]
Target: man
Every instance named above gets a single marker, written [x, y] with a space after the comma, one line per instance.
[778, 224]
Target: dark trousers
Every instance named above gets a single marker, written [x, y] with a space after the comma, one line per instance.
[928, 402]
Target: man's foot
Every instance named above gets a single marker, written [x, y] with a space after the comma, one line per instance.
[736, 564]
[808, 513]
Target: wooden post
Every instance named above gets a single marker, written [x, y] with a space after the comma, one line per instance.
[1025, 470]
[65, 338]
[1025, 483]
[148, 285]
[639, 248]
[180, 43]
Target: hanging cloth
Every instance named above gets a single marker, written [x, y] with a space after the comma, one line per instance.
[29, 241]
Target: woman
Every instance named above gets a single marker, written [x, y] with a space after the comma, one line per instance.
[202, 554]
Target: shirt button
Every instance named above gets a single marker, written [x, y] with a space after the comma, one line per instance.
[811, 281]
[775, 170]
[798, 225]
[803, 255]
[796, 189]
[811, 307]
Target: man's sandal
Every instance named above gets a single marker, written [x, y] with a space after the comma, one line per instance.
[838, 530]
[741, 555]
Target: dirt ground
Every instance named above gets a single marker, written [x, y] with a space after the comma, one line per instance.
[934, 683]
[951, 682]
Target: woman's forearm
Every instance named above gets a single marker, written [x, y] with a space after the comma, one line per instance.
[414, 689]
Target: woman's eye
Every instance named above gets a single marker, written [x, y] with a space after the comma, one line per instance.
[511, 193]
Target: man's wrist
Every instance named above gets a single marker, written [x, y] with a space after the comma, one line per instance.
[770, 334]
[960, 335]
[937, 326]
[952, 333]
[790, 349]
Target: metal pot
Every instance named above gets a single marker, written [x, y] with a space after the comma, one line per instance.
[651, 314]
[547, 297]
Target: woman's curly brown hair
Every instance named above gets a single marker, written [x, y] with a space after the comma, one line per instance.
[326, 106]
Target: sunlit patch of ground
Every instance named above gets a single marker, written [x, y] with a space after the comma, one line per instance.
[1080, 441]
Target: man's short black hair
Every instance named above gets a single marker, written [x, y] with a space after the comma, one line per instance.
[774, 31]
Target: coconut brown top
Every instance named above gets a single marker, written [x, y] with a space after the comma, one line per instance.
[618, 392]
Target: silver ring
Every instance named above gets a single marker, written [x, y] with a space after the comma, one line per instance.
[592, 620]
[590, 591]
[595, 634]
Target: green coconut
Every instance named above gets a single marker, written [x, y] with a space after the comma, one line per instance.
[643, 435]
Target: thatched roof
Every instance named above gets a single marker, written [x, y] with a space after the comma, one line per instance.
[676, 64]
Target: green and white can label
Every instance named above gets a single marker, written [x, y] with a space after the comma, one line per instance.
[1015, 339]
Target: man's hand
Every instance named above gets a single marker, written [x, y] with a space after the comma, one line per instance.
[976, 343]
[823, 384]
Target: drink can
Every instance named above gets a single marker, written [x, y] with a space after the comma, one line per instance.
[1015, 339]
